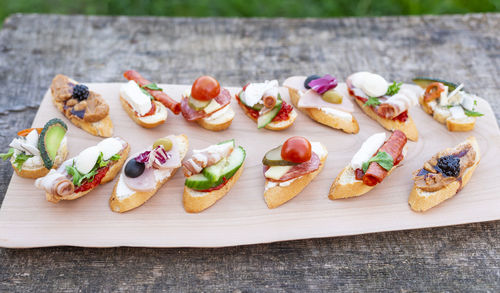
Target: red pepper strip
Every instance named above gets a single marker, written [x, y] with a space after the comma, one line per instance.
[160, 96]
[394, 147]
[26, 131]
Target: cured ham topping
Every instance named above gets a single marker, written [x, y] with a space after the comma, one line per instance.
[394, 147]
[159, 95]
[223, 99]
[205, 158]
[299, 170]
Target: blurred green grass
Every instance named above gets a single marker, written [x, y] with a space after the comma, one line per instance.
[248, 8]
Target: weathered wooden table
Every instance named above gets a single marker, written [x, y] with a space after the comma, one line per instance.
[33, 48]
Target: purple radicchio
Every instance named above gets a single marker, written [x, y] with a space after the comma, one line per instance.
[160, 156]
[324, 84]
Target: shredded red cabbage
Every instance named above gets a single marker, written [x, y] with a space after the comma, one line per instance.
[143, 157]
[321, 85]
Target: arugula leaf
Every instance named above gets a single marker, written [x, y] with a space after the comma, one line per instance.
[372, 101]
[383, 159]
[7, 155]
[394, 88]
[152, 86]
[472, 113]
[115, 157]
[78, 177]
[20, 159]
[147, 93]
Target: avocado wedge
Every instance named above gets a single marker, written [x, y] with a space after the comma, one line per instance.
[423, 82]
[50, 139]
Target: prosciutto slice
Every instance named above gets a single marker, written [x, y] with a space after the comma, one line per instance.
[160, 96]
[300, 169]
[223, 99]
[145, 182]
[394, 147]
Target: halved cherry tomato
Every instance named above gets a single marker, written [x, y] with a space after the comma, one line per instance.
[26, 131]
[205, 88]
[296, 149]
[433, 91]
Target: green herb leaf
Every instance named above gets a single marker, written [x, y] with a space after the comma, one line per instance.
[394, 88]
[152, 86]
[147, 93]
[78, 177]
[7, 155]
[472, 113]
[20, 159]
[383, 159]
[115, 157]
[372, 101]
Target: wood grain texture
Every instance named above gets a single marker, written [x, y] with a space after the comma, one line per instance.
[33, 48]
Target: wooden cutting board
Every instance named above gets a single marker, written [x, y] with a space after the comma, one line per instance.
[242, 217]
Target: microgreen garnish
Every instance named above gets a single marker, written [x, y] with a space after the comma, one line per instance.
[394, 88]
[372, 101]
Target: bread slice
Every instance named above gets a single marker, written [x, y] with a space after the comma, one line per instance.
[196, 201]
[150, 121]
[408, 127]
[275, 125]
[140, 197]
[221, 123]
[420, 200]
[41, 170]
[331, 120]
[110, 175]
[278, 195]
[453, 124]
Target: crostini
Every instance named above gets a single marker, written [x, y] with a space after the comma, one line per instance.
[376, 159]
[79, 175]
[37, 150]
[323, 100]
[139, 104]
[289, 168]
[444, 175]
[208, 104]
[388, 104]
[262, 102]
[210, 174]
[83, 107]
[146, 172]
[448, 103]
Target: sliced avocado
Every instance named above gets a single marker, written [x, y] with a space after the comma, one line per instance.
[266, 118]
[50, 139]
[225, 168]
[423, 82]
[197, 104]
[273, 158]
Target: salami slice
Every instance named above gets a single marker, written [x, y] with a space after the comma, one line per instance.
[300, 169]
[160, 96]
[394, 147]
[223, 99]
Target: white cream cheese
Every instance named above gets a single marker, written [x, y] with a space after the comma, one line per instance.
[337, 113]
[122, 190]
[271, 184]
[217, 114]
[367, 150]
[255, 91]
[374, 85]
[133, 94]
[318, 149]
[457, 112]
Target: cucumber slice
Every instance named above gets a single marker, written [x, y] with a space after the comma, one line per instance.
[198, 181]
[197, 104]
[273, 158]
[231, 141]
[225, 167]
[266, 118]
[423, 82]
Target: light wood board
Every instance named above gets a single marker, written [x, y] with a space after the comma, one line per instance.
[242, 217]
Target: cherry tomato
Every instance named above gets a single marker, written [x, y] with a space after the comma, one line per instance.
[296, 149]
[205, 88]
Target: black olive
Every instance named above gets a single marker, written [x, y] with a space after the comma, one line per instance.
[134, 169]
[448, 166]
[309, 79]
[80, 92]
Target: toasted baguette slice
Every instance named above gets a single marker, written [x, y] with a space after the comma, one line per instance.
[150, 121]
[278, 195]
[40, 171]
[276, 125]
[408, 127]
[110, 175]
[219, 123]
[420, 200]
[196, 201]
[328, 119]
[103, 128]
[453, 124]
[346, 185]
[140, 197]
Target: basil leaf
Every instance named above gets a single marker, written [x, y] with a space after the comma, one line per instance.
[383, 159]
[152, 86]
[394, 88]
[372, 101]
[7, 155]
[147, 93]
[472, 113]
[20, 159]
